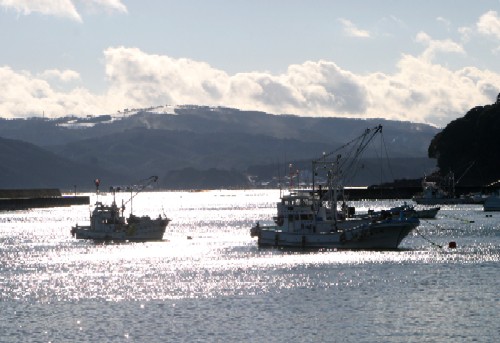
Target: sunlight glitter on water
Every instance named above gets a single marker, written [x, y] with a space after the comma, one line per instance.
[207, 252]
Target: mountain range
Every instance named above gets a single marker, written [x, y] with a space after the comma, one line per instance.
[196, 147]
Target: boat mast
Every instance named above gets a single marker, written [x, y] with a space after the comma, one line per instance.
[341, 165]
[131, 210]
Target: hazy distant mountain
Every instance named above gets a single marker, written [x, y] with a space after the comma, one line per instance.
[25, 165]
[138, 152]
[202, 139]
[403, 138]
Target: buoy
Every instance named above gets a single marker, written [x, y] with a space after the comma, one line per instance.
[189, 237]
[452, 245]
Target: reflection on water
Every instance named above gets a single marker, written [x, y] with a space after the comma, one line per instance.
[208, 267]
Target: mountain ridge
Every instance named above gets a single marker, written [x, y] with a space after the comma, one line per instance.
[201, 138]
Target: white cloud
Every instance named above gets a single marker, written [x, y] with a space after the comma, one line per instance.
[465, 33]
[351, 30]
[489, 24]
[425, 92]
[138, 78]
[61, 8]
[445, 22]
[110, 5]
[420, 90]
[435, 46]
[58, 8]
[25, 95]
[62, 75]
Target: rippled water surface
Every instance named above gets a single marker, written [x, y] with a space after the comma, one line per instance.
[207, 280]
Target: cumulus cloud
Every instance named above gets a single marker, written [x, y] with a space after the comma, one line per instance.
[62, 75]
[61, 8]
[138, 78]
[25, 95]
[58, 8]
[420, 90]
[425, 92]
[436, 46]
[351, 30]
[489, 24]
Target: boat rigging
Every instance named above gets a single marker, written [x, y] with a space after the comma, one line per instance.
[310, 219]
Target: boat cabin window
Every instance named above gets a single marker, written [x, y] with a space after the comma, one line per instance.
[296, 202]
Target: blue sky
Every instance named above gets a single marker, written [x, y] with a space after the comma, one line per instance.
[427, 61]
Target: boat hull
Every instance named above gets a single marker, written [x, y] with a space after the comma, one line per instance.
[153, 231]
[429, 213]
[120, 236]
[377, 236]
[397, 212]
[491, 204]
[448, 201]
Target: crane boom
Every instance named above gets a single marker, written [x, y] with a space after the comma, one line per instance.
[142, 184]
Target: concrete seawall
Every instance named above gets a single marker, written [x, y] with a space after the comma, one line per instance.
[20, 199]
[381, 193]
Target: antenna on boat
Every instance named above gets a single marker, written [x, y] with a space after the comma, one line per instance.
[97, 182]
[279, 177]
[131, 196]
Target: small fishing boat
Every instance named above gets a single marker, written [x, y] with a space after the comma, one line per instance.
[427, 213]
[312, 220]
[106, 223]
[439, 190]
[410, 211]
[492, 203]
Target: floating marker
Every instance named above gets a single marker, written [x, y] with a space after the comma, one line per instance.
[452, 245]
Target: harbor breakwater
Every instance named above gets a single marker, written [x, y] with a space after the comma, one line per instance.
[19, 199]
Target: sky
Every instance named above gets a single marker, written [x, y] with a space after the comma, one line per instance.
[426, 61]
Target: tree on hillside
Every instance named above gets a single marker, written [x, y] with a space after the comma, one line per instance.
[471, 145]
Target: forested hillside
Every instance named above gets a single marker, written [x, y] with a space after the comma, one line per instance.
[470, 146]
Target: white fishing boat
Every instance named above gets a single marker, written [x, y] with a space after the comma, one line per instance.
[410, 211]
[304, 225]
[433, 195]
[312, 220]
[439, 190]
[106, 223]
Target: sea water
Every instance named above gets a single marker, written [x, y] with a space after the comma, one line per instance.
[207, 281]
